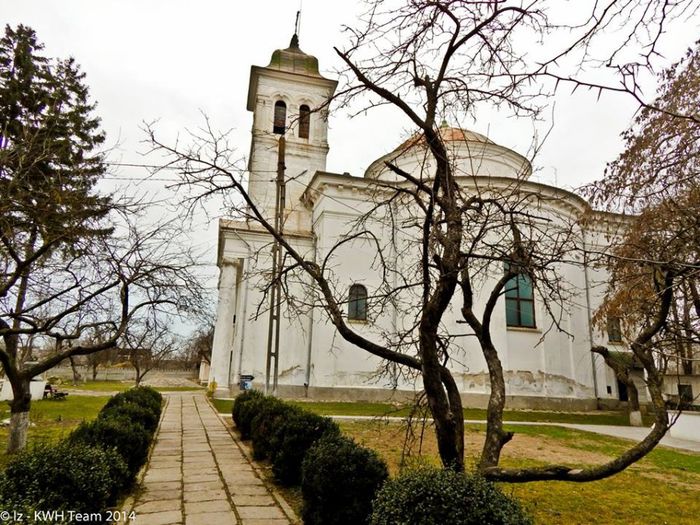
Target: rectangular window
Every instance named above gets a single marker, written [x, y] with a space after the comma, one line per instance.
[614, 329]
[520, 302]
[685, 394]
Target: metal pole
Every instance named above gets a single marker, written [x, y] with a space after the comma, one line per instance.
[275, 288]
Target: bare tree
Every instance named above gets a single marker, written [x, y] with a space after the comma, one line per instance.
[99, 359]
[199, 348]
[473, 236]
[654, 265]
[149, 342]
[99, 289]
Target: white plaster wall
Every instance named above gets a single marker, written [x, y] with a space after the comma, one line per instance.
[304, 156]
[686, 426]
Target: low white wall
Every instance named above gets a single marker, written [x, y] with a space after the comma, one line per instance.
[687, 425]
[36, 389]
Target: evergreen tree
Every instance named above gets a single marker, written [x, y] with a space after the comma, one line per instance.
[49, 162]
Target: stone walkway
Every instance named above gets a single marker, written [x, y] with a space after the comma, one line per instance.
[199, 475]
[629, 433]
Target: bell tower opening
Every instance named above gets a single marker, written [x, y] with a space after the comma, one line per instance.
[288, 98]
[279, 125]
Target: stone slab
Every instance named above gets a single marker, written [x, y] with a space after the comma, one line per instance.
[204, 495]
[160, 518]
[199, 507]
[261, 513]
[246, 500]
[162, 485]
[211, 518]
[157, 506]
[202, 485]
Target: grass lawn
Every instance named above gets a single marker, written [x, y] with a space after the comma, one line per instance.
[664, 487]
[386, 409]
[53, 420]
[98, 386]
[120, 386]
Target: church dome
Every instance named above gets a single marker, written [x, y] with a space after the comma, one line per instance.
[472, 153]
[294, 60]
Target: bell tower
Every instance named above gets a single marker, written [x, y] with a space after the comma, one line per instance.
[288, 98]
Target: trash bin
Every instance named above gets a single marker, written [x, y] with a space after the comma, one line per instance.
[246, 382]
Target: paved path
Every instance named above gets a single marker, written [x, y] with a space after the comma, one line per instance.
[631, 433]
[637, 434]
[199, 475]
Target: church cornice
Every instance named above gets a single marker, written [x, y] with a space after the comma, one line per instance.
[257, 71]
[566, 202]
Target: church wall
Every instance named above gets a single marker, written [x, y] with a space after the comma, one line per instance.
[558, 366]
[544, 367]
[247, 353]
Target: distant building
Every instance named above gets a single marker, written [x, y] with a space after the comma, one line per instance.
[543, 369]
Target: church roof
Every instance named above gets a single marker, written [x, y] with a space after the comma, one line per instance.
[294, 60]
[463, 146]
[448, 134]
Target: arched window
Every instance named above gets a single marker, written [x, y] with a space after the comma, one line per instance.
[357, 303]
[520, 302]
[280, 122]
[304, 121]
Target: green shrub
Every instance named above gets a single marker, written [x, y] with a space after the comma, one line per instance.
[292, 438]
[134, 412]
[240, 402]
[339, 481]
[430, 496]
[247, 411]
[142, 395]
[271, 413]
[63, 476]
[130, 439]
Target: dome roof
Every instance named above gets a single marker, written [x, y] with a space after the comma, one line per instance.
[294, 60]
[448, 134]
[464, 147]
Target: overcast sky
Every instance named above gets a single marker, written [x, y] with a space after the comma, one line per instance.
[171, 59]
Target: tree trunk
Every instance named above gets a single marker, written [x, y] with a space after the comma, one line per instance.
[635, 413]
[19, 418]
[76, 374]
[449, 425]
[496, 437]
[622, 373]
[94, 372]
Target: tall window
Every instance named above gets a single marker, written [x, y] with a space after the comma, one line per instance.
[357, 303]
[304, 121]
[520, 302]
[280, 122]
[614, 330]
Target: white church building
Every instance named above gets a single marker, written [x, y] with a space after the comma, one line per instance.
[544, 368]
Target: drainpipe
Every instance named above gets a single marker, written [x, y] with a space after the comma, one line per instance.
[307, 380]
[589, 318]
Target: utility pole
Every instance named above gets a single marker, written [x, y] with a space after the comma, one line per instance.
[273, 330]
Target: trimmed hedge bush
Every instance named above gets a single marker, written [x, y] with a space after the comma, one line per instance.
[292, 438]
[247, 409]
[430, 496]
[142, 395]
[130, 439]
[339, 481]
[271, 413]
[134, 412]
[64, 476]
[238, 412]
